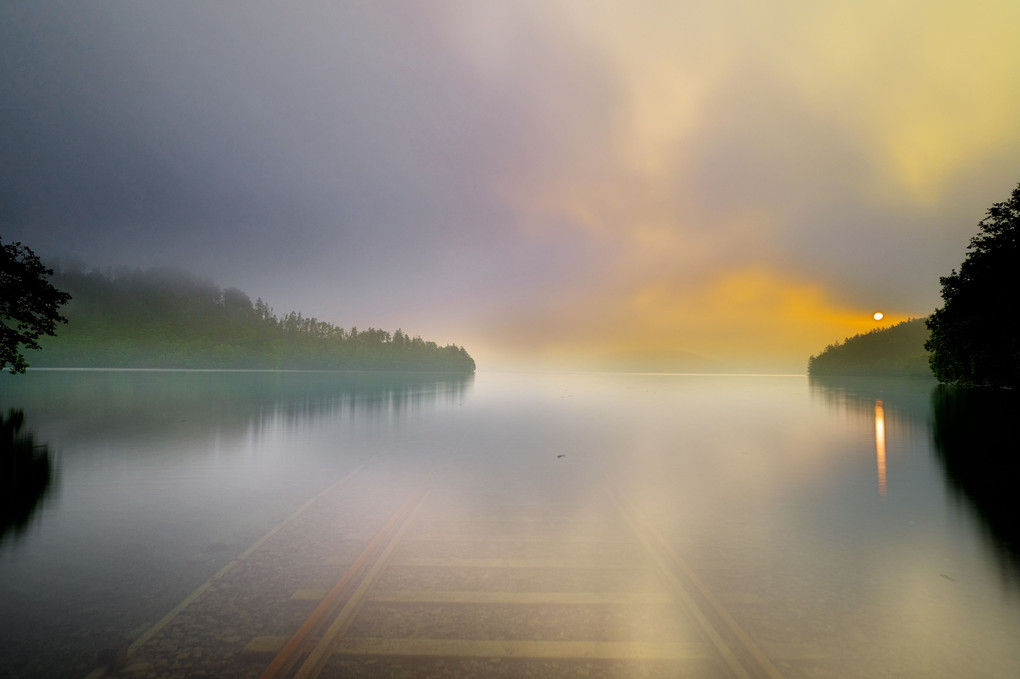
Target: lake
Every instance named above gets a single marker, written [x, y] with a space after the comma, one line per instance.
[507, 524]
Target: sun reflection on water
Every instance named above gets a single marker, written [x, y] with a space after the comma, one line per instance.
[880, 445]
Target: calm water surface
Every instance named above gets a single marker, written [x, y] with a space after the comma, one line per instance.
[853, 527]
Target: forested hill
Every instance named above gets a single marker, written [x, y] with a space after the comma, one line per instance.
[163, 318]
[897, 350]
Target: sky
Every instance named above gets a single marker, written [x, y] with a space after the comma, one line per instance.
[722, 185]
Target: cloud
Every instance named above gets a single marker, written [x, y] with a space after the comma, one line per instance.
[575, 177]
[737, 318]
[830, 148]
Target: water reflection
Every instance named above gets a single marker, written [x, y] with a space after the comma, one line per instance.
[880, 446]
[103, 404]
[901, 398]
[166, 476]
[562, 508]
[976, 437]
[293, 401]
[26, 474]
[891, 404]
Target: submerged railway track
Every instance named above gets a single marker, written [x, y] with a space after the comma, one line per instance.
[392, 574]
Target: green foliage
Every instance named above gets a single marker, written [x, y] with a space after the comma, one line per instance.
[162, 318]
[975, 335]
[897, 350]
[29, 304]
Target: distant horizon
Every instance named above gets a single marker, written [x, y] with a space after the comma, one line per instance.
[619, 362]
[436, 372]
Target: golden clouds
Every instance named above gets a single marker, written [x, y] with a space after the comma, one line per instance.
[919, 92]
[751, 155]
[752, 311]
[928, 88]
[747, 318]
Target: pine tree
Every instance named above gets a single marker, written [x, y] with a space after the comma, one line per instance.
[975, 335]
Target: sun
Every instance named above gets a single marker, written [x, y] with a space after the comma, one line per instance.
[878, 316]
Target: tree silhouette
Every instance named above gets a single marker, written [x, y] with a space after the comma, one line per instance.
[28, 304]
[975, 335]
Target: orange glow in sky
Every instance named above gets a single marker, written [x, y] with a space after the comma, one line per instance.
[724, 185]
[721, 228]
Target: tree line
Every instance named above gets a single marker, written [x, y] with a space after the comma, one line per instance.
[165, 318]
[897, 350]
[975, 334]
[973, 338]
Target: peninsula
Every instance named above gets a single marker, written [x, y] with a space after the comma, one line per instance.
[165, 318]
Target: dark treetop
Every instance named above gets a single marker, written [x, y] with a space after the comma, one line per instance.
[29, 304]
[975, 335]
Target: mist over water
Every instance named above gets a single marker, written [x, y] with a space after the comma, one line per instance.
[828, 518]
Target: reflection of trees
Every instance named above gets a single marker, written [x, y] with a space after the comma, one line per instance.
[117, 404]
[901, 397]
[25, 474]
[976, 436]
[879, 402]
[375, 395]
